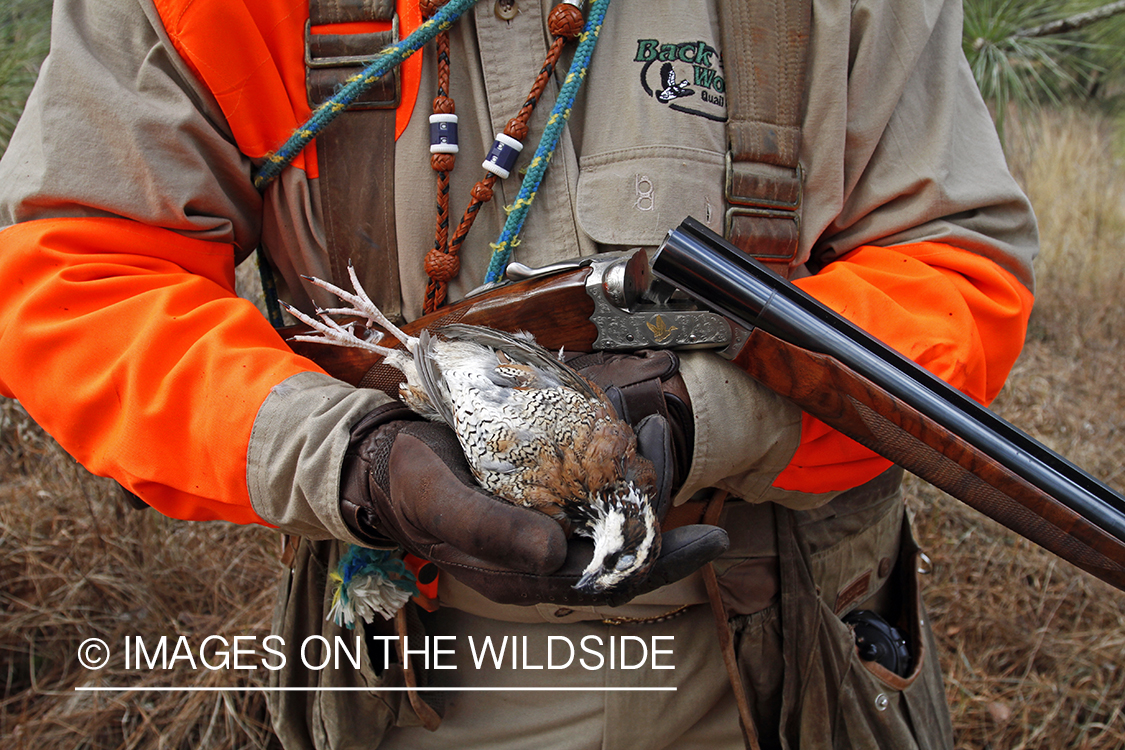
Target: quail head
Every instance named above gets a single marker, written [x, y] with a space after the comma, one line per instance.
[535, 432]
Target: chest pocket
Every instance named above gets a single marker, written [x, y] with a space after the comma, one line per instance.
[633, 196]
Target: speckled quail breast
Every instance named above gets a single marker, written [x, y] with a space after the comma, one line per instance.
[535, 432]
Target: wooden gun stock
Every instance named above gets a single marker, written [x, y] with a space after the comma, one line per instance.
[555, 308]
[871, 416]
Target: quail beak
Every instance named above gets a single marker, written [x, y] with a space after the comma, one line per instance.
[588, 583]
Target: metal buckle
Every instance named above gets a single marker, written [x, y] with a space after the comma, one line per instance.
[762, 213]
[342, 61]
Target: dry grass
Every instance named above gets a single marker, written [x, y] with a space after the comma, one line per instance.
[1067, 163]
[1031, 647]
[76, 563]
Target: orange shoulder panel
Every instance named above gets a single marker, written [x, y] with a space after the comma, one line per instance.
[127, 344]
[956, 313]
[251, 55]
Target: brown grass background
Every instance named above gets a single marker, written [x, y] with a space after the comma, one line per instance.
[1032, 648]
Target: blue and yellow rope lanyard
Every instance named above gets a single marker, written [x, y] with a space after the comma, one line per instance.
[393, 56]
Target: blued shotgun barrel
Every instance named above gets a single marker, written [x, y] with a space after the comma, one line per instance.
[887, 402]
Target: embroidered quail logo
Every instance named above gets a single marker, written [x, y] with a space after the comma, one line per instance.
[685, 76]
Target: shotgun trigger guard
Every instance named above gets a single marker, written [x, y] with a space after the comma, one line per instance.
[628, 319]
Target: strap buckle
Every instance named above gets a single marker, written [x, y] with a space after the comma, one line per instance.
[332, 59]
[763, 218]
[342, 61]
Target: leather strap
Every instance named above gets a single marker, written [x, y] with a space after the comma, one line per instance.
[429, 715]
[722, 629]
[355, 156]
[355, 159]
[765, 49]
[346, 11]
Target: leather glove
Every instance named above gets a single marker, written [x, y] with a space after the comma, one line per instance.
[406, 482]
[642, 383]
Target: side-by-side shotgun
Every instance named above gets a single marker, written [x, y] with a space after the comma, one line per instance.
[700, 291]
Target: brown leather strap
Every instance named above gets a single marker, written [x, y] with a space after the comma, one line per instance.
[765, 50]
[686, 514]
[426, 713]
[355, 157]
[347, 11]
[290, 543]
[722, 629]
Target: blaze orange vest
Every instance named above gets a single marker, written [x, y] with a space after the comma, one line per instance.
[250, 55]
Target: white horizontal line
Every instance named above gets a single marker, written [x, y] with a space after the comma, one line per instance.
[172, 689]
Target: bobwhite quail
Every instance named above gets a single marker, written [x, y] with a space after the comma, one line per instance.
[535, 432]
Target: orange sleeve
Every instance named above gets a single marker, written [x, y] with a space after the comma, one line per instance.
[956, 313]
[128, 345]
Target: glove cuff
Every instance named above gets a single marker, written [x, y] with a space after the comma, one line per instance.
[395, 411]
[358, 508]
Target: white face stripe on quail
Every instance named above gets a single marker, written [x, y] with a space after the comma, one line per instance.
[610, 544]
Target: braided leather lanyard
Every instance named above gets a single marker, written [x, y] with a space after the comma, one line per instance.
[442, 263]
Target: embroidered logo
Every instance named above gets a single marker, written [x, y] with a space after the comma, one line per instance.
[686, 76]
[645, 188]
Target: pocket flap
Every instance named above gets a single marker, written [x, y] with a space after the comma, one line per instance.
[634, 196]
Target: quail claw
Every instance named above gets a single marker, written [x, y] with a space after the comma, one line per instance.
[363, 307]
[331, 332]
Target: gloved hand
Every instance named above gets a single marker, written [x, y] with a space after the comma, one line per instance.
[642, 383]
[406, 482]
